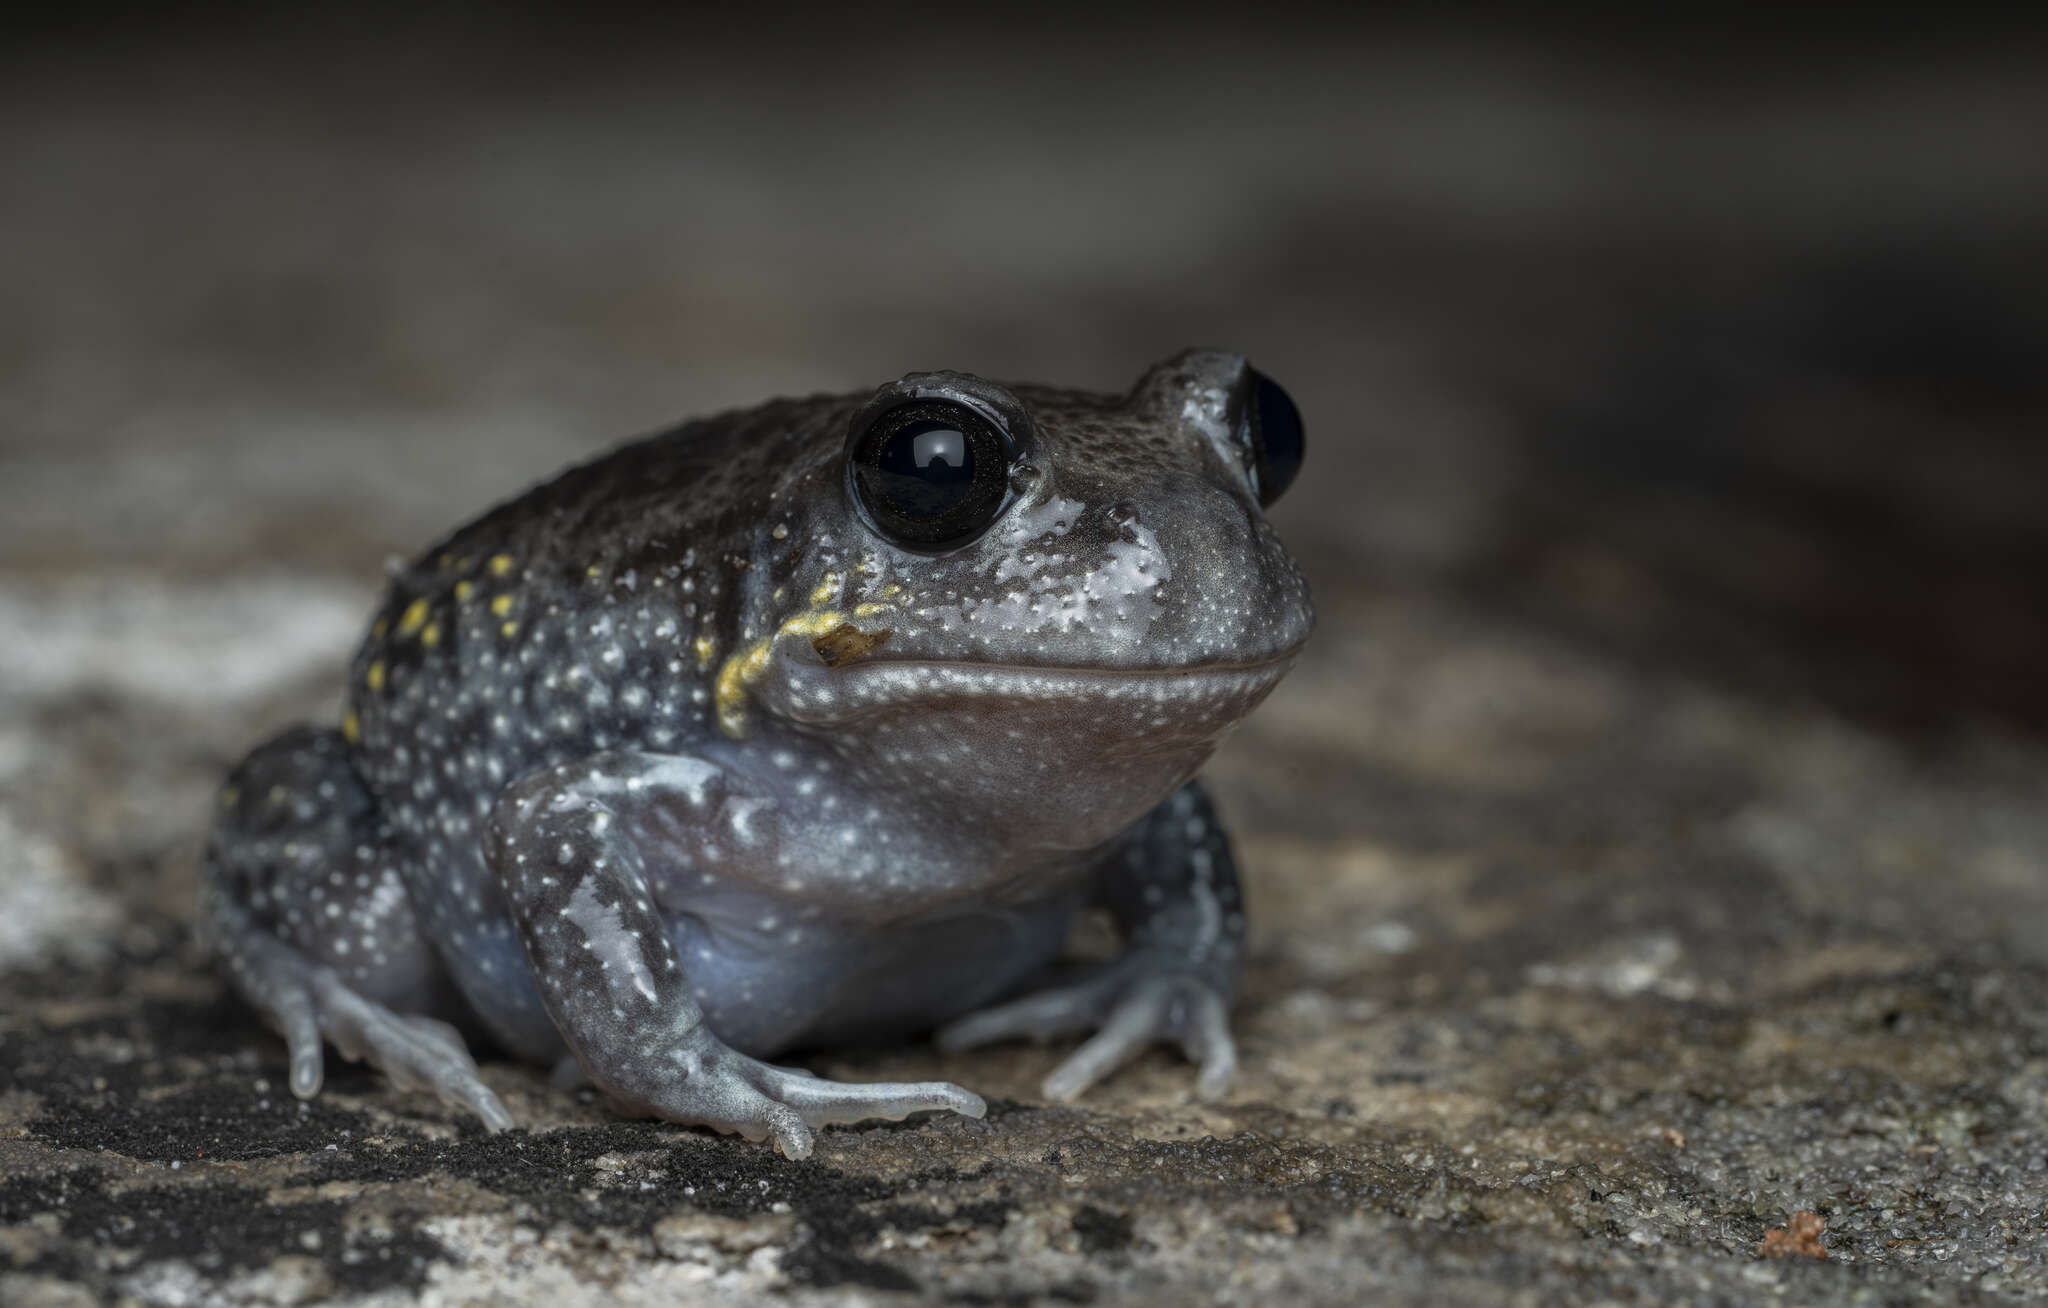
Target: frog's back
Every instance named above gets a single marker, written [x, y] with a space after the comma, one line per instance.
[589, 613]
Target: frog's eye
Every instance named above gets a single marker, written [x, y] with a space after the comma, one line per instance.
[1271, 432]
[930, 474]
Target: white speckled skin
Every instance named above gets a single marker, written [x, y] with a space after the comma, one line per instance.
[675, 762]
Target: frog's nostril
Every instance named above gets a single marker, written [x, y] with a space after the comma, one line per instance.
[1123, 515]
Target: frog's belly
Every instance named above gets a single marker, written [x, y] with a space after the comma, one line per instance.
[769, 990]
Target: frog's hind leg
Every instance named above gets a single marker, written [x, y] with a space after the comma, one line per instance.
[316, 931]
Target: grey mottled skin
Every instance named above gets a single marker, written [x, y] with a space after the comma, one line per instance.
[675, 763]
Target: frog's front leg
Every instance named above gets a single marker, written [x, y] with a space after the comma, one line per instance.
[1172, 885]
[569, 848]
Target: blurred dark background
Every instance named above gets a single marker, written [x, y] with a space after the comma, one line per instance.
[1719, 345]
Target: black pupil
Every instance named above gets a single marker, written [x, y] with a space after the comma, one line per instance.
[926, 468]
[930, 474]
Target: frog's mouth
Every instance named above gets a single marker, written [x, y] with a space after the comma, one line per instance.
[836, 689]
[1058, 757]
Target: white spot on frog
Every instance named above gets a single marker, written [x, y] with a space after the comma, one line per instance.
[1119, 593]
[610, 941]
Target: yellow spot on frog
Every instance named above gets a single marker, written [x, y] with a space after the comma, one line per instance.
[739, 672]
[508, 629]
[743, 669]
[593, 572]
[463, 591]
[374, 678]
[827, 591]
[501, 565]
[781, 531]
[379, 627]
[501, 606]
[414, 617]
[707, 649]
[869, 610]
[432, 635]
[351, 727]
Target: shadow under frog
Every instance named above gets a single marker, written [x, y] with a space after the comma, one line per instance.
[806, 724]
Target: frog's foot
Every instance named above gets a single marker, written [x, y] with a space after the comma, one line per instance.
[714, 1086]
[417, 1053]
[315, 930]
[1130, 1004]
[310, 1005]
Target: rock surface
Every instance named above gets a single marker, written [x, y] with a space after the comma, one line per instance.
[1650, 850]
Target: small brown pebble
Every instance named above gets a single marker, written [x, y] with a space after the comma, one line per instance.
[1800, 1236]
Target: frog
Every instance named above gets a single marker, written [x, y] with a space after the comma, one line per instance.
[809, 725]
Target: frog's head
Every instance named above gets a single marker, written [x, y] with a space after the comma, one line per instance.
[1051, 600]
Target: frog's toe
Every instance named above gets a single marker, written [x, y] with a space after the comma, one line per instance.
[292, 1011]
[415, 1052]
[824, 1103]
[568, 1075]
[784, 1125]
[1045, 1015]
[726, 1091]
[1186, 1010]
[1209, 1044]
